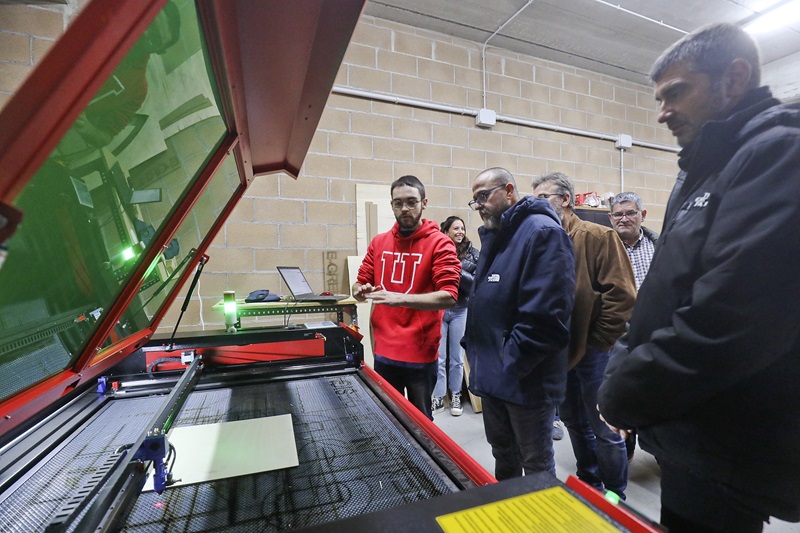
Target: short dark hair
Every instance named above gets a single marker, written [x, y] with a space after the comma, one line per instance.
[151, 41]
[174, 24]
[563, 183]
[710, 50]
[409, 181]
[626, 197]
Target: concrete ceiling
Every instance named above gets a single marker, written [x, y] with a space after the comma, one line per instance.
[619, 39]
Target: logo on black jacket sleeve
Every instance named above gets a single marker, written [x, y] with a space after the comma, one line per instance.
[702, 201]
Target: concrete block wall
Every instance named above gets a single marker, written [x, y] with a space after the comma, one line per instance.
[26, 34]
[362, 139]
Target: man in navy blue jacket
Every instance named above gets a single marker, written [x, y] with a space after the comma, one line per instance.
[518, 323]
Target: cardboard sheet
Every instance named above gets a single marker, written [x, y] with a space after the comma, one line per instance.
[228, 449]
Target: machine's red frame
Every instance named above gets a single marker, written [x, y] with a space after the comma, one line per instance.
[465, 462]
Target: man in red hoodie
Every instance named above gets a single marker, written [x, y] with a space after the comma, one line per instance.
[411, 274]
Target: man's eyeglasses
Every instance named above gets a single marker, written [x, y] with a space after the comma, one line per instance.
[619, 214]
[545, 195]
[410, 202]
[480, 199]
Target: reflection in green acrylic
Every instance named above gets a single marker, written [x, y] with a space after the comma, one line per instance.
[161, 280]
[104, 194]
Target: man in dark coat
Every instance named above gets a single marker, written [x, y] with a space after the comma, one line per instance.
[709, 371]
[518, 323]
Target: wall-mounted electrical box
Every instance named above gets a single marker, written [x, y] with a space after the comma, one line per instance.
[624, 142]
[486, 118]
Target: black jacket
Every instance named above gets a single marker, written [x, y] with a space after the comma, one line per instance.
[518, 320]
[468, 265]
[709, 372]
[650, 234]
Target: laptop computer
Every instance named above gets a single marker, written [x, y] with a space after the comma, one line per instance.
[301, 291]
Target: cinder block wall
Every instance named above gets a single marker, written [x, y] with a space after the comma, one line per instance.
[364, 140]
[26, 34]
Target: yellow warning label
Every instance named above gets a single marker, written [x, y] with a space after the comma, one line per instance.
[552, 510]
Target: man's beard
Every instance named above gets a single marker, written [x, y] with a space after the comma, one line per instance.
[492, 222]
[559, 211]
[407, 224]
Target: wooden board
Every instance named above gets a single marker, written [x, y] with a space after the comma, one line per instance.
[475, 401]
[228, 449]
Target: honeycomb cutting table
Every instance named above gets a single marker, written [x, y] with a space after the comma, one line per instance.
[355, 457]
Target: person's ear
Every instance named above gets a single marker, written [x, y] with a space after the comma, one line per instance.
[736, 79]
[509, 190]
[424, 203]
[644, 214]
[565, 200]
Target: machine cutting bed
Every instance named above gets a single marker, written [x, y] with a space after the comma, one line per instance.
[354, 456]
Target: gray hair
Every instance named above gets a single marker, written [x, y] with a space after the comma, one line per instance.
[563, 184]
[710, 50]
[626, 197]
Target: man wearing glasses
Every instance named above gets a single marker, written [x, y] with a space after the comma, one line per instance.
[626, 218]
[518, 323]
[604, 295]
[411, 273]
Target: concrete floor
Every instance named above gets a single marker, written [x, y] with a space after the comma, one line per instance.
[644, 476]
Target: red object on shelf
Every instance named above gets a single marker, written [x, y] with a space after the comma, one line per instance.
[587, 198]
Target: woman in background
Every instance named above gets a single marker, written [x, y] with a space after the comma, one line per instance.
[455, 321]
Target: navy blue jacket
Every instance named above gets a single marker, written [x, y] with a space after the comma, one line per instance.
[518, 320]
[709, 373]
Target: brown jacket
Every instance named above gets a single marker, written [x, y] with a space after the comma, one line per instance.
[605, 288]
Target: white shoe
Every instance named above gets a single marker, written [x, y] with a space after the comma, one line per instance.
[455, 404]
[558, 430]
[437, 405]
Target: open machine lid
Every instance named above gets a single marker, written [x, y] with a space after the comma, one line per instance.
[125, 151]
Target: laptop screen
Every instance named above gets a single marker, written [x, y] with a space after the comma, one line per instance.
[295, 280]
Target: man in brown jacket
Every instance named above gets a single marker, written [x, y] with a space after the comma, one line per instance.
[605, 290]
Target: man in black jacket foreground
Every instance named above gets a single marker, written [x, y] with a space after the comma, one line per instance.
[709, 373]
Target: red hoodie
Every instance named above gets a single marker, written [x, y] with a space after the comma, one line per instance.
[421, 263]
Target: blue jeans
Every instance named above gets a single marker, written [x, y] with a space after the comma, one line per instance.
[454, 324]
[521, 437]
[602, 459]
[414, 383]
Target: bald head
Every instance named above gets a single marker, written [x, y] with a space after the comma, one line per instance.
[494, 191]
